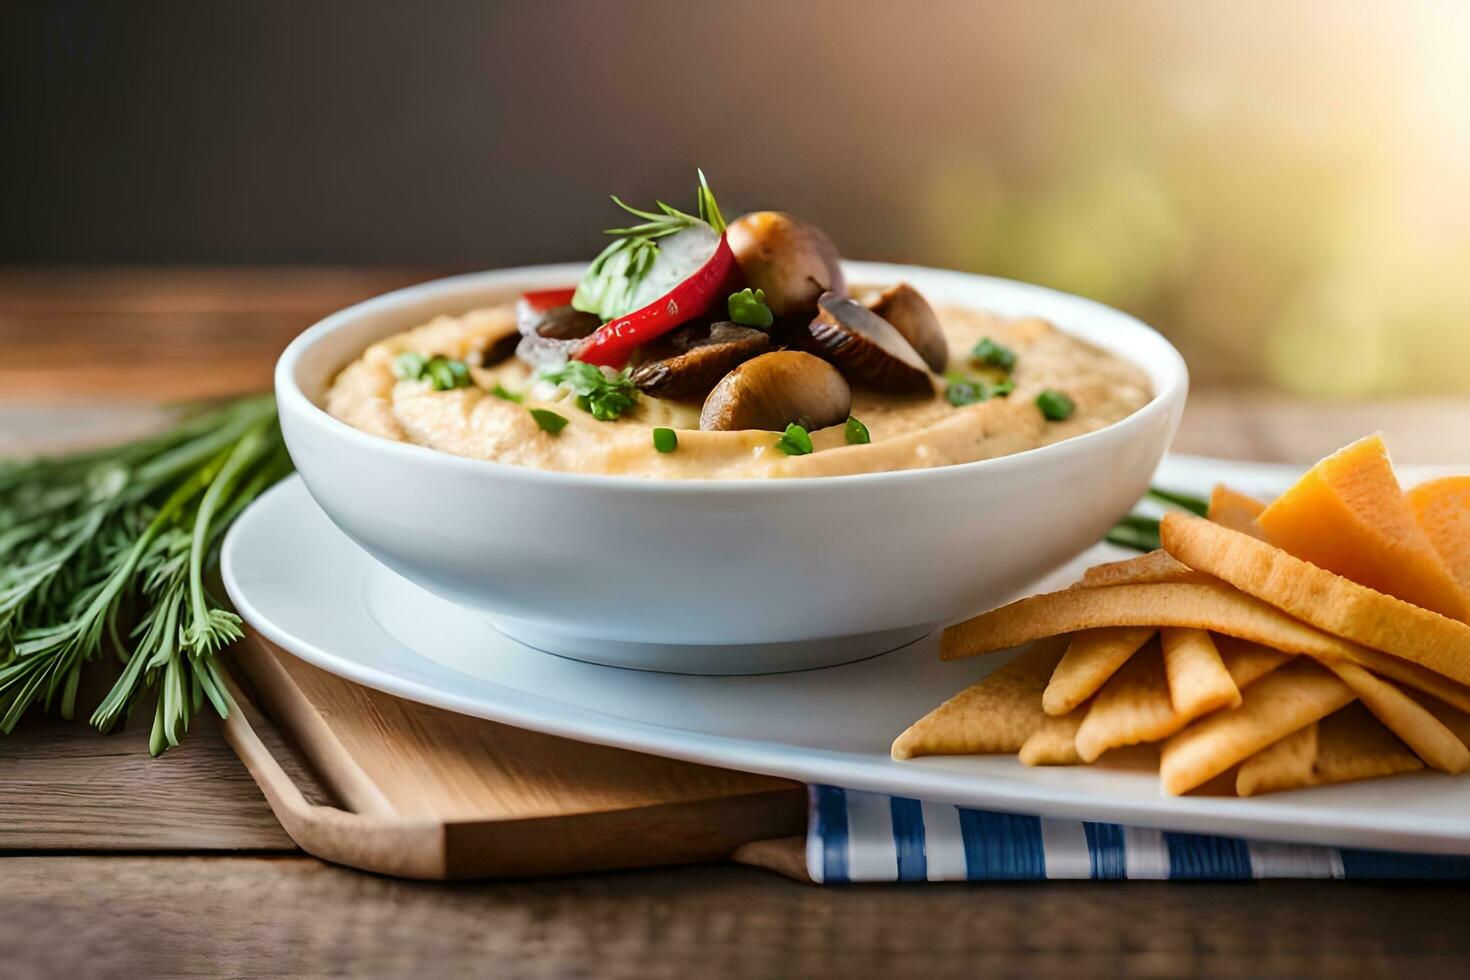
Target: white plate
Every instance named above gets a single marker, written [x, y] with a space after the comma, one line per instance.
[305, 586]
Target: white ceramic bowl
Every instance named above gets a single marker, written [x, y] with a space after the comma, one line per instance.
[721, 576]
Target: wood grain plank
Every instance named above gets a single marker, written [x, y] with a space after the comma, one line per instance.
[199, 289]
[65, 787]
[163, 356]
[166, 334]
[192, 916]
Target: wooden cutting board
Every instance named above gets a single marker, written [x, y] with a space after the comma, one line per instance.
[361, 778]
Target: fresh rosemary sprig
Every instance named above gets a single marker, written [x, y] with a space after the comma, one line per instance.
[98, 540]
[709, 211]
[614, 276]
[668, 219]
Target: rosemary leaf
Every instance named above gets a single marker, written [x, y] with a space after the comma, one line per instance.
[127, 534]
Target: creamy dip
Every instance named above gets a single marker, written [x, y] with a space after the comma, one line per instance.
[907, 432]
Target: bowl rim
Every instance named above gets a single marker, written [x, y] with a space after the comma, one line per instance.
[291, 398]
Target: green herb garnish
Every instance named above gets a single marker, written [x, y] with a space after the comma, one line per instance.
[550, 422]
[613, 278]
[967, 391]
[665, 440]
[605, 395]
[446, 374]
[443, 373]
[1135, 531]
[748, 308]
[1195, 505]
[1055, 405]
[709, 211]
[501, 392]
[795, 441]
[856, 432]
[993, 354]
[409, 366]
[1141, 532]
[108, 552]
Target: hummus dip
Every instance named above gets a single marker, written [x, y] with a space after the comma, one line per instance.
[908, 432]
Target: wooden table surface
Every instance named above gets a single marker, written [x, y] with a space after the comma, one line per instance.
[117, 865]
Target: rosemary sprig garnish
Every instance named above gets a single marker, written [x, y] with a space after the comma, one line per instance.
[668, 219]
[615, 274]
[98, 539]
[708, 209]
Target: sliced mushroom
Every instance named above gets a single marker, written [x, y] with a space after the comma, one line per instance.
[706, 354]
[499, 349]
[908, 312]
[560, 323]
[866, 347]
[556, 336]
[794, 262]
[774, 390]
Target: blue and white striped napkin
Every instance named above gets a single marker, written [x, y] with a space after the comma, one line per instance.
[854, 836]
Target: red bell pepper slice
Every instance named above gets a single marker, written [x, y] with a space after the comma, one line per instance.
[615, 340]
[542, 300]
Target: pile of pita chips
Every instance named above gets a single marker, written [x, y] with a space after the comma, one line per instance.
[1250, 650]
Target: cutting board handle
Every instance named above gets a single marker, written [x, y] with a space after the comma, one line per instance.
[407, 848]
[360, 778]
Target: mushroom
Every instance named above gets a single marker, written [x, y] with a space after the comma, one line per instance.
[774, 390]
[794, 262]
[556, 336]
[705, 355]
[866, 347]
[908, 312]
[561, 323]
[499, 348]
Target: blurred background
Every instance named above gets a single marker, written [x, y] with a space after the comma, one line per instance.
[1282, 186]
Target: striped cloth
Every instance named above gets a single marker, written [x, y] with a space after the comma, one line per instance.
[854, 836]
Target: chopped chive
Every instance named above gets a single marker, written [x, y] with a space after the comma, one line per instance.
[500, 391]
[665, 440]
[963, 393]
[795, 441]
[993, 354]
[1055, 405]
[409, 366]
[442, 372]
[968, 391]
[549, 421]
[856, 432]
[441, 375]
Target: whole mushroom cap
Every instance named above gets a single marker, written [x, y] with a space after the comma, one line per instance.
[775, 390]
[793, 261]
